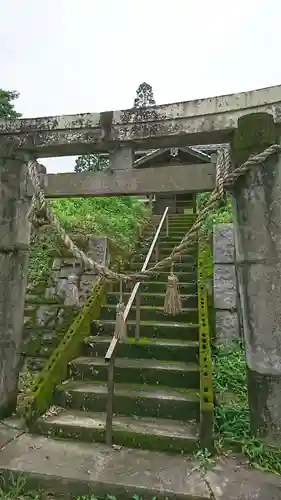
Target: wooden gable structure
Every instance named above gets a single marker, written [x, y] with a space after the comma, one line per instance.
[173, 157]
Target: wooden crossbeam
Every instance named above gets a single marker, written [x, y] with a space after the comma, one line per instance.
[164, 179]
[210, 120]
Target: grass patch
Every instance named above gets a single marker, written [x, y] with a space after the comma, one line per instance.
[232, 420]
[220, 214]
[118, 218]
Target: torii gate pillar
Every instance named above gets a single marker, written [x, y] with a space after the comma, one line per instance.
[257, 214]
[14, 240]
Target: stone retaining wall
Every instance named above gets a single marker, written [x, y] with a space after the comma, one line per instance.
[226, 302]
[47, 316]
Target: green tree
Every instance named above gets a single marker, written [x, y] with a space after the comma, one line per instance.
[7, 107]
[143, 100]
[144, 97]
[90, 163]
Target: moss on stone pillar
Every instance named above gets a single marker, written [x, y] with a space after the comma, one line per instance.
[257, 220]
[255, 132]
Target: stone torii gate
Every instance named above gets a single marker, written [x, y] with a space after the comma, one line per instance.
[249, 121]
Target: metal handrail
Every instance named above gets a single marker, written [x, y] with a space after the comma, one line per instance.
[109, 357]
[205, 360]
[114, 341]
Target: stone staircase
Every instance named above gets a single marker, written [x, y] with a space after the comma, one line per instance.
[156, 400]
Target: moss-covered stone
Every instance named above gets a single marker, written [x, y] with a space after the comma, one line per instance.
[143, 440]
[132, 403]
[254, 133]
[40, 396]
[165, 373]
[161, 349]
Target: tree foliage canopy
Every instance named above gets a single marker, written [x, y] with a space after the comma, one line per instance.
[90, 163]
[144, 96]
[7, 107]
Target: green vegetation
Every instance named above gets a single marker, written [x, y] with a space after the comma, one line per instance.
[232, 412]
[7, 107]
[118, 218]
[232, 419]
[221, 214]
[218, 215]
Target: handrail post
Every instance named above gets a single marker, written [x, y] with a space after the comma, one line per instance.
[138, 303]
[157, 252]
[110, 396]
[167, 226]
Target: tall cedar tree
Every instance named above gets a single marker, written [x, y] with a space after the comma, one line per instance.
[94, 162]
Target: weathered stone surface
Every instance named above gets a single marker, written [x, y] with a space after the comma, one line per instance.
[48, 464]
[14, 239]
[224, 286]
[258, 236]
[182, 178]
[201, 121]
[7, 434]
[227, 328]
[122, 159]
[43, 317]
[46, 315]
[233, 479]
[101, 470]
[97, 248]
[223, 244]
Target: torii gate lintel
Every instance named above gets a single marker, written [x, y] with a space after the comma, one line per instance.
[201, 121]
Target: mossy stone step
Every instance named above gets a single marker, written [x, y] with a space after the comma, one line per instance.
[150, 329]
[165, 250]
[190, 300]
[183, 276]
[146, 433]
[138, 371]
[176, 218]
[152, 313]
[162, 238]
[130, 399]
[178, 266]
[166, 242]
[175, 235]
[160, 287]
[165, 246]
[187, 258]
[162, 349]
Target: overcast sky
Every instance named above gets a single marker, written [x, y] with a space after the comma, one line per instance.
[72, 56]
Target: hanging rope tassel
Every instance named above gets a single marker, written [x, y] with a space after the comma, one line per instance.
[173, 299]
[120, 328]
